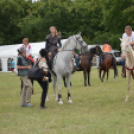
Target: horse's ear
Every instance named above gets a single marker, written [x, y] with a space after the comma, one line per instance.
[128, 39]
[120, 39]
[80, 33]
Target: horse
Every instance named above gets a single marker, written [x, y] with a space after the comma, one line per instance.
[107, 62]
[127, 53]
[62, 66]
[86, 63]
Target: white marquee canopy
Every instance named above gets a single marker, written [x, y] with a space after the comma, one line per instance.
[10, 51]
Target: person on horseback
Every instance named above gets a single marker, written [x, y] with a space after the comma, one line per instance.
[128, 34]
[51, 44]
[77, 55]
[106, 50]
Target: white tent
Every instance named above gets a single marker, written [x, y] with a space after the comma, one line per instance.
[10, 51]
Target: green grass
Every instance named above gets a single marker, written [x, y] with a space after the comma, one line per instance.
[99, 109]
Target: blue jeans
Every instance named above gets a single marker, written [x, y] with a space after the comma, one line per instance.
[77, 59]
[100, 57]
[123, 64]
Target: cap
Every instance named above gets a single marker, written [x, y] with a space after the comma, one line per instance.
[21, 49]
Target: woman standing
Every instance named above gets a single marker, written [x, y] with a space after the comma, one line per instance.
[28, 50]
[51, 43]
[43, 64]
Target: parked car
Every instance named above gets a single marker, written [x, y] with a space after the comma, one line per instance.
[117, 55]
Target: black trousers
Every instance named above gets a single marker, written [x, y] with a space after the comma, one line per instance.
[44, 86]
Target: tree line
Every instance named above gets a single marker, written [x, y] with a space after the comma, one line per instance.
[97, 20]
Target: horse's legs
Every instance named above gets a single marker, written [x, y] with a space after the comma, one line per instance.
[114, 76]
[103, 75]
[54, 88]
[85, 77]
[128, 74]
[64, 80]
[59, 78]
[88, 72]
[107, 75]
[100, 73]
[68, 87]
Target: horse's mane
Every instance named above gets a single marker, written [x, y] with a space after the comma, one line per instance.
[92, 50]
[65, 44]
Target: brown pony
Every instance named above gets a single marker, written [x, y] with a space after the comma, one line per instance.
[86, 63]
[107, 62]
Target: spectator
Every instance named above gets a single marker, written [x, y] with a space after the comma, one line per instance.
[13, 66]
[23, 65]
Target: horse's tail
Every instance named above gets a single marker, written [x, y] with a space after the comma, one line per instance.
[114, 66]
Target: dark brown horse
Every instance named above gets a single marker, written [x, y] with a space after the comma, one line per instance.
[107, 62]
[86, 63]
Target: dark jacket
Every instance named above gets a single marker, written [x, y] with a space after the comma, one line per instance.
[51, 44]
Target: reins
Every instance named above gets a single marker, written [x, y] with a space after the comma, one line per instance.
[68, 50]
[130, 70]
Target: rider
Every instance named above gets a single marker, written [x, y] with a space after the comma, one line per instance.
[51, 44]
[128, 34]
[106, 50]
[77, 55]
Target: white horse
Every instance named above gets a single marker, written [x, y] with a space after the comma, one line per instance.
[62, 65]
[127, 53]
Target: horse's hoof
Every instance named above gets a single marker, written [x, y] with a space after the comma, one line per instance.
[47, 99]
[56, 99]
[70, 101]
[85, 85]
[115, 80]
[89, 85]
[60, 102]
[126, 100]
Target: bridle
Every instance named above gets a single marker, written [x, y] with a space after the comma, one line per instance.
[124, 50]
[132, 69]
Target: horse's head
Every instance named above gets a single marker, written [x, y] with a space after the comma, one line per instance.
[99, 51]
[80, 44]
[125, 47]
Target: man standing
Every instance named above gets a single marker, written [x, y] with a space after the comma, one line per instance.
[128, 34]
[106, 50]
[23, 66]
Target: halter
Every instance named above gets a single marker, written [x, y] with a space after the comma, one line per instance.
[124, 50]
[76, 40]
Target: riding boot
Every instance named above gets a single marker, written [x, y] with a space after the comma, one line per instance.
[124, 73]
[51, 63]
[99, 67]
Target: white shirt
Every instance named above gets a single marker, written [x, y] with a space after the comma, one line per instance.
[28, 50]
[125, 36]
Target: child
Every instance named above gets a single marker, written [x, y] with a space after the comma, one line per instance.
[13, 66]
[28, 50]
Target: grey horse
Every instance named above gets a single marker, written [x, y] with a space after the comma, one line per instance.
[62, 66]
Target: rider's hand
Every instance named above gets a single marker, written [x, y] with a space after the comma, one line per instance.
[49, 54]
[58, 49]
[76, 55]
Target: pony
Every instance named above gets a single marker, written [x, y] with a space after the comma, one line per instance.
[107, 62]
[127, 53]
[62, 66]
[86, 62]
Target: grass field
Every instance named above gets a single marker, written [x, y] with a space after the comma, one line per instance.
[99, 109]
